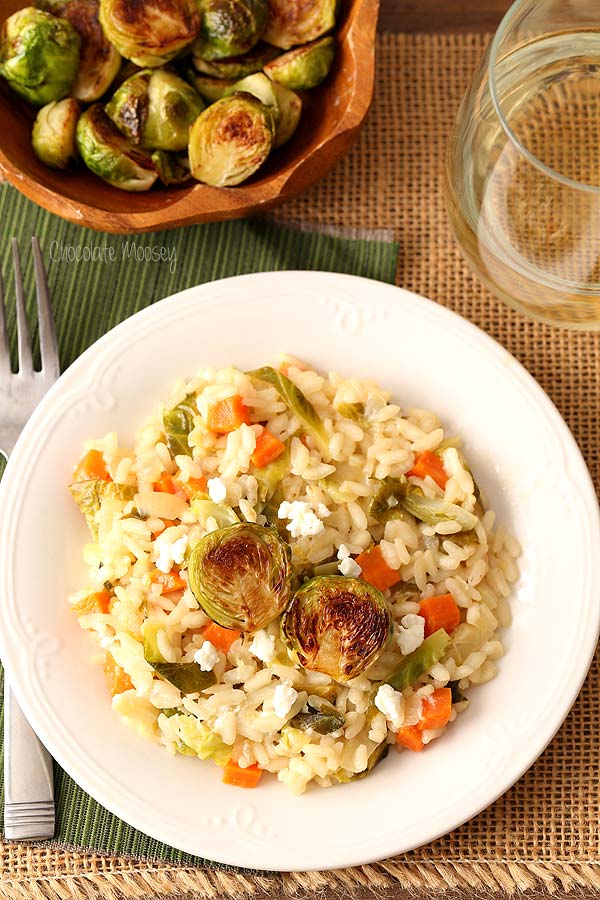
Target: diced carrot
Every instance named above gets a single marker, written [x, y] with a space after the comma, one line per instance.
[268, 448]
[192, 486]
[410, 737]
[117, 679]
[91, 466]
[169, 581]
[166, 484]
[437, 708]
[439, 612]
[375, 570]
[167, 523]
[227, 415]
[429, 463]
[246, 778]
[96, 602]
[221, 638]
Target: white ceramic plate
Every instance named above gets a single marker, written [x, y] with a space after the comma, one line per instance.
[523, 455]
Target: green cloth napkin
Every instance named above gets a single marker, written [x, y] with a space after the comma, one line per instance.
[96, 281]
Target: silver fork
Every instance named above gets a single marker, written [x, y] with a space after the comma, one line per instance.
[28, 782]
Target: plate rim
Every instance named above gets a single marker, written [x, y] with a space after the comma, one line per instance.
[418, 302]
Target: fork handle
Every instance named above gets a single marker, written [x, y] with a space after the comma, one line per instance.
[28, 779]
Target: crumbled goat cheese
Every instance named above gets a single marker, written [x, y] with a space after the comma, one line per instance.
[391, 704]
[217, 490]
[169, 551]
[343, 552]
[303, 521]
[411, 633]
[284, 698]
[207, 656]
[263, 646]
[350, 567]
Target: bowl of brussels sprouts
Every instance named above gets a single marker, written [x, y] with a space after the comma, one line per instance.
[137, 115]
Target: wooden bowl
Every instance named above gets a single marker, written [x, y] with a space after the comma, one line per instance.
[331, 118]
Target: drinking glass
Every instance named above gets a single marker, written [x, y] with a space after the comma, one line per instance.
[523, 168]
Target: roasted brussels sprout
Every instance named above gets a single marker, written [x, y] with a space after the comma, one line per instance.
[155, 108]
[150, 32]
[230, 140]
[99, 60]
[290, 110]
[260, 87]
[53, 135]
[39, 55]
[293, 22]
[237, 66]
[210, 89]
[337, 626]
[109, 155]
[240, 576]
[230, 27]
[172, 168]
[305, 67]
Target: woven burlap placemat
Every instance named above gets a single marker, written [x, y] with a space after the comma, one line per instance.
[543, 836]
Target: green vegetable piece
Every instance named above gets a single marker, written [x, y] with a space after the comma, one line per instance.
[375, 757]
[329, 568]
[241, 576]
[223, 515]
[230, 140]
[353, 411]
[323, 721]
[187, 677]
[269, 477]
[335, 491]
[201, 740]
[155, 108]
[230, 27]
[433, 510]
[290, 110]
[152, 32]
[177, 423]
[457, 694]
[109, 155]
[386, 502]
[172, 168]
[337, 625]
[210, 89]
[296, 403]
[39, 55]
[260, 87]
[53, 136]
[305, 67]
[292, 22]
[99, 60]
[90, 494]
[236, 67]
[149, 634]
[431, 651]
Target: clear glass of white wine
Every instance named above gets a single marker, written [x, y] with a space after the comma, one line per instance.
[523, 168]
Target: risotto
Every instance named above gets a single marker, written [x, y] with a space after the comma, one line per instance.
[290, 573]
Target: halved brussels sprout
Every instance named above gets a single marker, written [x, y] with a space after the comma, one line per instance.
[337, 625]
[237, 66]
[293, 22]
[260, 87]
[230, 27]
[290, 110]
[210, 89]
[305, 67]
[155, 108]
[241, 575]
[172, 168]
[109, 155]
[53, 136]
[230, 140]
[39, 55]
[150, 32]
[99, 60]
